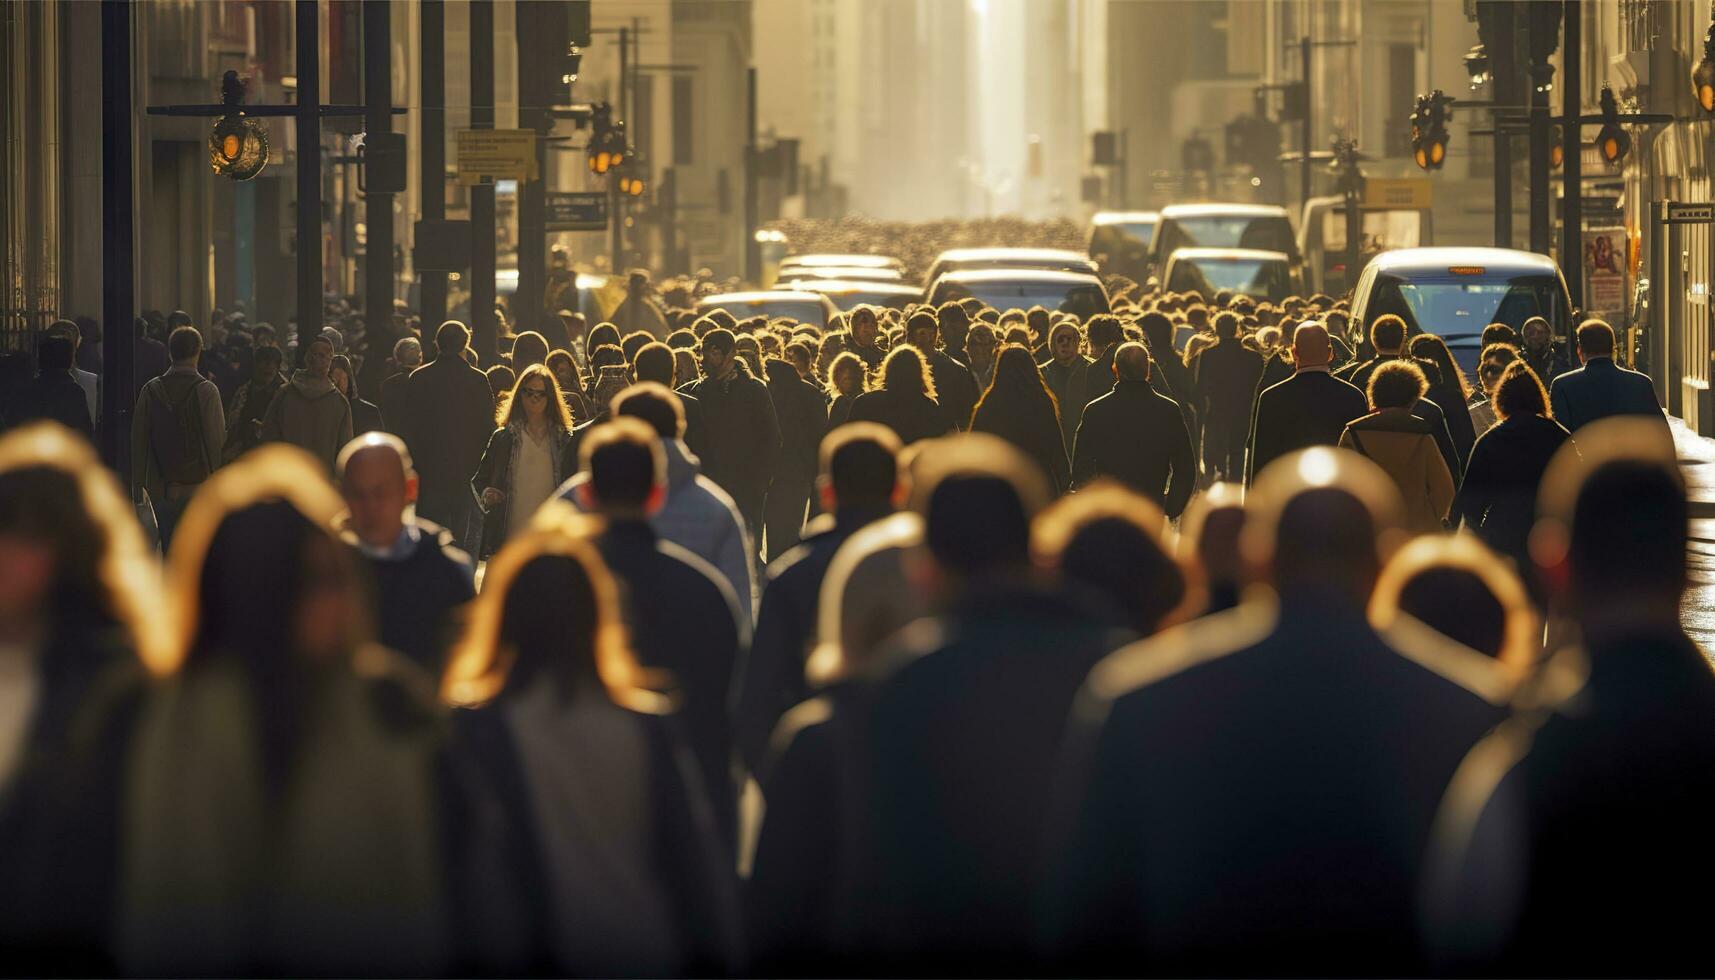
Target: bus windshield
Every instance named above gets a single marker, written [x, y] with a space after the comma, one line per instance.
[1453, 306]
[1262, 278]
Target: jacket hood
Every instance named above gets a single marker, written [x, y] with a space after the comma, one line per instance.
[779, 372]
[310, 385]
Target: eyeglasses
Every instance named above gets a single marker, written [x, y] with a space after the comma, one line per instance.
[535, 392]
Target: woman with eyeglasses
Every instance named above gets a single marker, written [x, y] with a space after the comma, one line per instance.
[528, 456]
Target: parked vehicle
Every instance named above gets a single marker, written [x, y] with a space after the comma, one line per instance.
[805, 273]
[1322, 240]
[1455, 292]
[1119, 242]
[1079, 293]
[1253, 272]
[1259, 226]
[848, 293]
[814, 309]
[1052, 259]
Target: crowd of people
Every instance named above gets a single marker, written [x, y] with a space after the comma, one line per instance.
[1204, 636]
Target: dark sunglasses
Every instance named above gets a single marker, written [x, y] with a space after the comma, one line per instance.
[536, 392]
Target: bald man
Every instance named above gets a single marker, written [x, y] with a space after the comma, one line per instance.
[1311, 408]
[1254, 792]
[1137, 436]
[420, 576]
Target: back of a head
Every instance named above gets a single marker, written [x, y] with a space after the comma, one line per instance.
[654, 362]
[528, 348]
[451, 338]
[720, 339]
[1321, 521]
[978, 495]
[861, 463]
[1396, 384]
[1227, 325]
[1109, 542]
[54, 354]
[1499, 333]
[1104, 329]
[1131, 362]
[654, 403]
[1595, 339]
[1459, 588]
[1156, 326]
[1387, 333]
[625, 463]
[1519, 393]
[184, 343]
[905, 370]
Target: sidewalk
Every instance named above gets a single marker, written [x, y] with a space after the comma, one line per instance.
[1697, 459]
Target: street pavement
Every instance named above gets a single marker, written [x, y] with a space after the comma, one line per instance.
[1697, 459]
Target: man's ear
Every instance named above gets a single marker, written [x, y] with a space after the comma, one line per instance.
[825, 493]
[657, 499]
[587, 497]
[410, 488]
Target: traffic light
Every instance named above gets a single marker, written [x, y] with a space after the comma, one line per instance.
[1612, 141]
[1429, 130]
[607, 147]
[1557, 150]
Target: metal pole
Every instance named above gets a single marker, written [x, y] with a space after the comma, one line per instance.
[616, 226]
[434, 150]
[309, 118]
[1304, 136]
[1572, 179]
[378, 285]
[533, 98]
[1503, 187]
[118, 266]
[752, 248]
[482, 324]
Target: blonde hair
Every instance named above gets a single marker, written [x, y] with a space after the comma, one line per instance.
[275, 471]
[125, 570]
[1463, 553]
[481, 662]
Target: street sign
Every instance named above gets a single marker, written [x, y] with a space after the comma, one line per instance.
[577, 211]
[487, 155]
[1690, 214]
[1403, 193]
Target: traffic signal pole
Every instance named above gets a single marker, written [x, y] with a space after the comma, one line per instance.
[378, 206]
[1572, 178]
[484, 330]
[1304, 124]
[309, 129]
[433, 169]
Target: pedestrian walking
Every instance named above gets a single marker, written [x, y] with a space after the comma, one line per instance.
[449, 418]
[1404, 446]
[845, 382]
[177, 432]
[682, 617]
[1346, 785]
[1620, 750]
[250, 403]
[422, 579]
[1225, 375]
[1311, 408]
[309, 412]
[803, 417]
[280, 808]
[1019, 408]
[77, 595]
[55, 395]
[1448, 389]
[1136, 436]
[955, 388]
[1108, 545]
[1600, 389]
[743, 438]
[904, 399]
[600, 850]
[1067, 375]
[1498, 498]
[365, 415]
[1456, 586]
[528, 456]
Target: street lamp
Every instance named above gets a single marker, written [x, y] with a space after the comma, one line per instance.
[238, 144]
[1612, 141]
[1703, 76]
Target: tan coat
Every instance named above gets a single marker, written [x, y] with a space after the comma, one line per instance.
[1404, 446]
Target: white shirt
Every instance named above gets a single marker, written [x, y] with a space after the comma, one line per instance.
[532, 480]
[20, 688]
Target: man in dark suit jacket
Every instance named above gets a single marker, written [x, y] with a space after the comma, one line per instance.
[449, 415]
[1600, 388]
[1136, 436]
[1282, 831]
[1311, 408]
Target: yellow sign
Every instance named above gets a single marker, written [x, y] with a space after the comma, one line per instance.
[1404, 193]
[496, 154]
